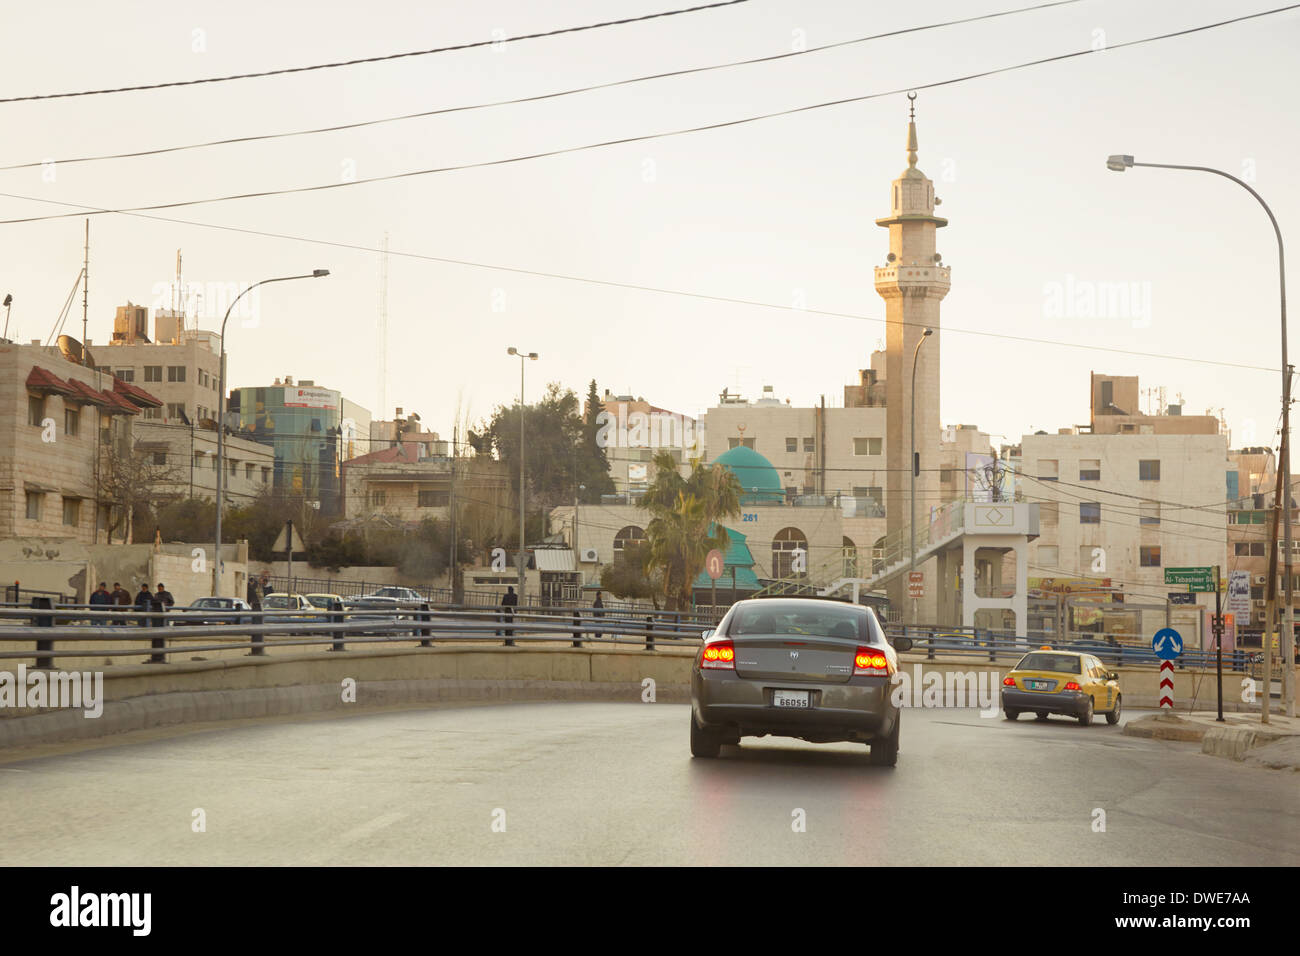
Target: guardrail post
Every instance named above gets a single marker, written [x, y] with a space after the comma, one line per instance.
[336, 617]
[993, 647]
[257, 638]
[424, 617]
[43, 620]
[929, 640]
[649, 637]
[577, 628]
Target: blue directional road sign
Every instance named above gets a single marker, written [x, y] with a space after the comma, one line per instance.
[1167, 644]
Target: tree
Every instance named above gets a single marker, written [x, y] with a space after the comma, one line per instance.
[133, 479]
[683, 511]
[627, 576]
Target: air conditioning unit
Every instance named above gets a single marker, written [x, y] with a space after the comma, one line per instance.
[590, 555]
[1260, 603]
[1260, 579]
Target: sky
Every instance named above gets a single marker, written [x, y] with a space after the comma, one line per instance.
[780, 212]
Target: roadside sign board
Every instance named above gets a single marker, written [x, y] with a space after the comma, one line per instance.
[1193, 579]
[1182, 597]
[1239, 593]
[282, 541]
[1167, 643]
[714, 563]
[916, 584]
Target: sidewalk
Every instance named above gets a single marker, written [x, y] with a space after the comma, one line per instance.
[1240, 737]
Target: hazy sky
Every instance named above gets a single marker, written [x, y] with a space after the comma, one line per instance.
[775, 211]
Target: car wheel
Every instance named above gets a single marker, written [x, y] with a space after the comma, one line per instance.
[1041, 715]
[1011, 714]
[1113, 717]
[884, 753]
[703, 743]
[1086, 717]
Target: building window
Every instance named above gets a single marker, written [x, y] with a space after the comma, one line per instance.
[784, 545]
[1241, 549]
[792, 444]
[1149, 556]
[248, 472]
[175, 409]
[34, 505]
[378, 499]
[1089, 512]
[630, 535]
[72, 511]
[203, 378]
[152, 414]
[1257, 549]
[234, 466]
[947, 475]
[175, 373]
[1149, 512]
[1149, 469]
[71, 420]
[1049, 514]
[35, 410]
[124, 374]
[153, 373]
[866, 446]
[1049, 556]
[434, 499]
[1090, 469]
[810, 444]
[266, 475]
[160, 458]
[1049, 469]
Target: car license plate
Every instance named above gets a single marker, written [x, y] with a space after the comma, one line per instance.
[1037, 684]
[790, 698]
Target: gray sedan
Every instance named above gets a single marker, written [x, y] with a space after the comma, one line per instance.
[816, 669]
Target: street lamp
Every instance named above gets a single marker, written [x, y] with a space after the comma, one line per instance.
[221, 427]
[916, 464]
[522, 356]
[1121, 162]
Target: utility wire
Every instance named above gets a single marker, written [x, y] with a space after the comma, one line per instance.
[370, 59]
[635, 287]
[261, 194]
[528, 99]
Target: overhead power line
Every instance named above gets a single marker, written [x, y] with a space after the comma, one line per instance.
[644, 137]
[371, 59]
[527, 99]
[658, 290]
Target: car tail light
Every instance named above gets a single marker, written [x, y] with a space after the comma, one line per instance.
[1008, 682]
[1071, 685]
[719, 655]
[872, 661]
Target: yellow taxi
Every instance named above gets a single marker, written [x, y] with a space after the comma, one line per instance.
[1071, 683]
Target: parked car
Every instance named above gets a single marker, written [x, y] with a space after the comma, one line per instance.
[324, 601]
[292, 609]
[193, 614]
[819, 670]
[407, 597]
[378, 608]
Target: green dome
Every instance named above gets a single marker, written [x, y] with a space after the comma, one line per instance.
[757, 477]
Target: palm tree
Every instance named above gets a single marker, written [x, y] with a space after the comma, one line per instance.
[685, 522]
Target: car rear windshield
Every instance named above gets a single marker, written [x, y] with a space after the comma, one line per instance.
[318, 600]
[816, 620]
[276, 601]
[1059, 663]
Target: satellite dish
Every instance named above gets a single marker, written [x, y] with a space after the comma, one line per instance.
[74, 351]
[891, 257]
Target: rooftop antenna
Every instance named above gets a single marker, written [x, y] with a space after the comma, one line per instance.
[85, 288]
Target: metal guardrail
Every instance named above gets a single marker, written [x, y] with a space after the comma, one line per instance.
[47, 626]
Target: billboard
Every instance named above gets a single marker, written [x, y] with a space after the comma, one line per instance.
[298, 397]
[1239, 594]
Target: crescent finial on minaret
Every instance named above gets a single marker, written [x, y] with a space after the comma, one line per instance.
[911, 131]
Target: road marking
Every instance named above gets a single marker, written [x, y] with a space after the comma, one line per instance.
[372, 826]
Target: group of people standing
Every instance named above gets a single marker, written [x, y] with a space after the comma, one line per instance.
[119, 599]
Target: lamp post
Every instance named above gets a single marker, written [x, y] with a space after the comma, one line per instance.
[916, 353]
[221, 427]
[1119, 163]
[522, 356]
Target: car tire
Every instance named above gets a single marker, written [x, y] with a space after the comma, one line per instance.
[1010, 714]
[1085, 718]
[703, 742]
[884, 753]
[1112, 718]
[1040, 715]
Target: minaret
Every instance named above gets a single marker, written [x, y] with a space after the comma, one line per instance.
[912, 283]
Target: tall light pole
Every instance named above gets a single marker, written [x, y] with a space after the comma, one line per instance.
[916, 353]
[221, 427]
[1119, 163]
[522, 356]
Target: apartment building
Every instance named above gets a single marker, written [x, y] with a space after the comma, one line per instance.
[182, 367]
[63, 426]
[189, 454]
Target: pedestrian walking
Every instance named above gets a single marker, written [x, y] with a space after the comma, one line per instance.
[597, 610]
[143, 601]
[255, 594]
[509, 601]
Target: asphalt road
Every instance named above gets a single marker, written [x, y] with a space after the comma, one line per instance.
[589, 783]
